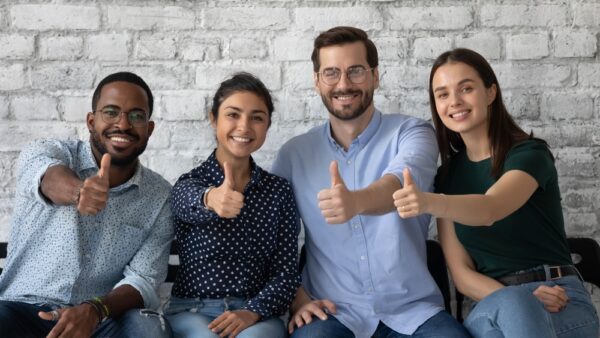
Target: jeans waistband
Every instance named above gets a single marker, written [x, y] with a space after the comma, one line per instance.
[539, 274]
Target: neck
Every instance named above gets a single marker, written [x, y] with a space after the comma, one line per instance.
[345, 131]
[478, 145]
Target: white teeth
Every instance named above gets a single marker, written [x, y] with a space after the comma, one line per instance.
[462, 113]
[119, 139]
[345, 97]
[241, 139]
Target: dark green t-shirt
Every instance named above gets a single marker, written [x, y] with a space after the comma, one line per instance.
[532, 235]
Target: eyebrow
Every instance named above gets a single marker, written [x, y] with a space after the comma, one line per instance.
[117, 107]
[240, 109]
[461, 82]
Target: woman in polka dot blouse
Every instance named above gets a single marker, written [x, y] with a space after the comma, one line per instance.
[236, 228]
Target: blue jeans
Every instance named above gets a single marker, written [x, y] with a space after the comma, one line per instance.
[20, 320]
[514, 311]
[442, 325]
[190, 318]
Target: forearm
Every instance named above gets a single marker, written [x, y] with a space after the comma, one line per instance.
[60, 185]
[475, 285]
[460, 208]
[122, 299]
[376, 199]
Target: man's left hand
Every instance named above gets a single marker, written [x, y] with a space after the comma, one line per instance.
[337, 204]
[77, 321]
[231, 323]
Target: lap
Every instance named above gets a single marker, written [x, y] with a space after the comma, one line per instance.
[19, 319]
[329, 328]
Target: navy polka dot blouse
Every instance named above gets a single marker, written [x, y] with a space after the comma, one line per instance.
[252, 256]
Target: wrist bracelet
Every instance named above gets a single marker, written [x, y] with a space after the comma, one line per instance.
[96, 308]
[205, 197]
[103, 306]
[77, 193]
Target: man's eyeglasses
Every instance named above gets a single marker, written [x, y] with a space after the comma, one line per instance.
[355, 74]
[111, 115]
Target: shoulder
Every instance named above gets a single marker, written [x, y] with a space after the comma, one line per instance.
[313, 136]
[152, 179]
[275, 182]
[403, 121]
[534, 149]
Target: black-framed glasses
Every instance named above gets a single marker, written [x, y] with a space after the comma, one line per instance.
[355, 74]
[112, 115]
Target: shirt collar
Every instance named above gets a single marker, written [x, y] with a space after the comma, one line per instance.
[361, 139]
[88, 162]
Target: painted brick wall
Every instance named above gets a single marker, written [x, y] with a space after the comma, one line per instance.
[52, 54]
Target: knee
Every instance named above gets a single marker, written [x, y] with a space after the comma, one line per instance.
[273, 327]
[510, 298]
[144, 322]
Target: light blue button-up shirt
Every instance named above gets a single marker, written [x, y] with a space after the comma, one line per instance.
[374, 268]
[57, 256]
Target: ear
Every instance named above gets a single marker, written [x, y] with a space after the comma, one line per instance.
[150, 127]
[376, 77]
[213, 121]
[491, 93]
[316, 79]
[89, 121]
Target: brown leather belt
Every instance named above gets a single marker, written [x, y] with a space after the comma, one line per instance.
[556, 272]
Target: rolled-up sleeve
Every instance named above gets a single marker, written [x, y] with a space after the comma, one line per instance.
[418, 151]
[148, 268]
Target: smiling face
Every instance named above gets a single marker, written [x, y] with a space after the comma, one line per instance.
[121, 140]
[346, 100]
[241, 126]
[461, 98]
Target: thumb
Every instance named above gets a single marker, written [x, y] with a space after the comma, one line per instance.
[104, 167]
[335, 174]
[407, 178]
[45, 315]
[228, 176]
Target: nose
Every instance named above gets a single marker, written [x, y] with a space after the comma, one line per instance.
[243, 122]
[455, 99]
[123, 122]
[344, 82]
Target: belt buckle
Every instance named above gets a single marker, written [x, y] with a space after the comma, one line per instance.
[556, 275]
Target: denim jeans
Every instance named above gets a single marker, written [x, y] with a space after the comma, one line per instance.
[514, 311]
[442, 325]
[21, 320]
[189, 318]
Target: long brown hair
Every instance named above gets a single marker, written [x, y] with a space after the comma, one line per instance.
[503, 132]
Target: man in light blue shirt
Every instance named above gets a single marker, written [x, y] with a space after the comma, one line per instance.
[91, 228]
[365, 265]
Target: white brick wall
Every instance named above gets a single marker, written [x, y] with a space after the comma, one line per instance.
[53, 53]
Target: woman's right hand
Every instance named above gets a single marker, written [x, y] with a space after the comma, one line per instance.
[554, 297]
[409, 200]
[224, 200]
[313, 308]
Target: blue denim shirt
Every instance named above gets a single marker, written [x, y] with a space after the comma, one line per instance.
[57, 256]
[374, 268]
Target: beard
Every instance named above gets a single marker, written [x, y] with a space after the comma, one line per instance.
[346, 113]
[118, 161]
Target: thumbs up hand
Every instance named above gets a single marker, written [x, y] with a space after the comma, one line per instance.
[224, 200]
[93, 194]
[409, 200]
[337, 204]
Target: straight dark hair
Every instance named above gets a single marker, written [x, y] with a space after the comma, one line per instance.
[342, 35]
[503, 132]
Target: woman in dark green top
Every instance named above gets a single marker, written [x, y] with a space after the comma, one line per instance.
[499, 214]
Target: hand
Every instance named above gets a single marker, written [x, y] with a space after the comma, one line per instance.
[77, 321]
[231, 323]
[93, 194]
[409, 200]
[337, 204]
[554, 298]
[313, 308]
[224, 200]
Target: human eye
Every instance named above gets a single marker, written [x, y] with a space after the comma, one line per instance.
[137, 115]
[110, 112]
[467, 89]
[356, 70]
[232, 114]
[258, 118]
[441, 95]
[331, 73]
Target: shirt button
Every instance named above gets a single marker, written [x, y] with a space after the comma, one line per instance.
[362, 258]
[370, 289]
[348, 162]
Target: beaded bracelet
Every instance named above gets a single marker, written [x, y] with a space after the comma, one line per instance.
[96, 308]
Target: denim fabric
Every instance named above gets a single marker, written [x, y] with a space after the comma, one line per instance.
[441, 325]
[21, 320]
[514, 311]
[190, 317]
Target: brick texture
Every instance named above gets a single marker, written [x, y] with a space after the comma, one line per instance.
[53, 53]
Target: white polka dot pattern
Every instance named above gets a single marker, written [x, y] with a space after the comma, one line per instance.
[252, 256]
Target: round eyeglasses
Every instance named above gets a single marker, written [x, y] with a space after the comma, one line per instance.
[111, 115]
[354, 74]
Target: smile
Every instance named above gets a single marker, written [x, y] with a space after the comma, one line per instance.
[459, 115]
[241, 139]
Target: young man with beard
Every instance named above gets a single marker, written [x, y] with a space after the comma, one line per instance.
[366, 268]
[91, 227]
